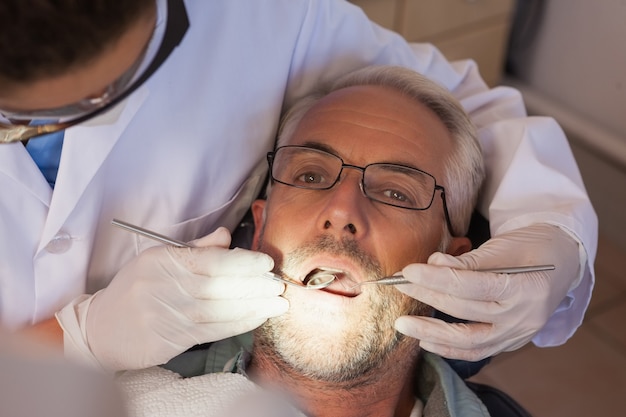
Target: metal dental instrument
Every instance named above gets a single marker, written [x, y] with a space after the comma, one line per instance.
[315, 280]
[148, 233]
[399, 279]
[321, 277]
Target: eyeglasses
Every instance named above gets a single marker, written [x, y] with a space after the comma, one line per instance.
[14, 126]
[391, 184]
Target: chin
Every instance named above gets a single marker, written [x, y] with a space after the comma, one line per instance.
[330, 342]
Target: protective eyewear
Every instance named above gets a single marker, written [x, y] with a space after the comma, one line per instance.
[391, 184]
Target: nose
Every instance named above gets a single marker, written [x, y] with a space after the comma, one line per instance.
[344, 206]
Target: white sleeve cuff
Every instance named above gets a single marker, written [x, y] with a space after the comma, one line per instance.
[72, 319]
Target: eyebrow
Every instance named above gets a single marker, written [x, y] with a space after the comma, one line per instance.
[320, 147]
[328, 148]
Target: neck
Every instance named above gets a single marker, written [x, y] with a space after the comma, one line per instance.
[387, 390]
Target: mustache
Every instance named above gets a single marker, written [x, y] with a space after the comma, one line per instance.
[345, 247]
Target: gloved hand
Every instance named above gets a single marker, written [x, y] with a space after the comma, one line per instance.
[506, 310]
[168, 299]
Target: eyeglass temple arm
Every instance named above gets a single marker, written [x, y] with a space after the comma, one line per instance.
[445, 210]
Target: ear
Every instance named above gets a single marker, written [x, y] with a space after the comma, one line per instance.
[258, 213]
[459, 246]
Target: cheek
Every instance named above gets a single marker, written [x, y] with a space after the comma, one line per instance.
[293, 209]
[287, 223]
[409, 240]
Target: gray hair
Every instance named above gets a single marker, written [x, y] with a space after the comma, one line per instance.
[463, 171]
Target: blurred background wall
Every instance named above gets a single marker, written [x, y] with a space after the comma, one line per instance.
[477, 29]
[568, 57]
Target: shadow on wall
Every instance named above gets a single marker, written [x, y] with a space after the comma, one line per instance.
[567, 58]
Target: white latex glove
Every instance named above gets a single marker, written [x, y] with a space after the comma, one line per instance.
[168, 299]
[506, 310]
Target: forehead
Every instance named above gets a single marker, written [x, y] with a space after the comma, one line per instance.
[367, 124]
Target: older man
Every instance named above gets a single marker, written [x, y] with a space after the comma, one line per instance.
[379, 171]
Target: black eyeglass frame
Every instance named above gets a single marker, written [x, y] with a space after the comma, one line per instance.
[270, 160]
[175, 30]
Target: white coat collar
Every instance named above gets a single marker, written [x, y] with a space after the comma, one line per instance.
[85, 148]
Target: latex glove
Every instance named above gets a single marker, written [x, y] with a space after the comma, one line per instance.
[506, 310]
[169, 299]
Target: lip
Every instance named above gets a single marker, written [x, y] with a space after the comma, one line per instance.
[344, 287]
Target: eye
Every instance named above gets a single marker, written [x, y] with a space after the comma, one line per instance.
[395, 195]
[398, 185]
[310, 178]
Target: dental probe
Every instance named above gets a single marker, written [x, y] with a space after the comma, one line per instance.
[399, 279]
[150, 234]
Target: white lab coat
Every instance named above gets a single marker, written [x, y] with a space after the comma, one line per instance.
[186, 152]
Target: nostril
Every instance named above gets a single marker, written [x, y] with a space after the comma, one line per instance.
[349, 227]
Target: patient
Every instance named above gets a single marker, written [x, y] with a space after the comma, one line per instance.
[377, 172]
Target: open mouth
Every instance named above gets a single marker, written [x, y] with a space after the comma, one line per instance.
[332, 280]
[321, 277]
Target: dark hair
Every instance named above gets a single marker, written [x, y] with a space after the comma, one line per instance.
[41, 38]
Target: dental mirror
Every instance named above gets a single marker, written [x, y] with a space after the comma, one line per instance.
[315, 280]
